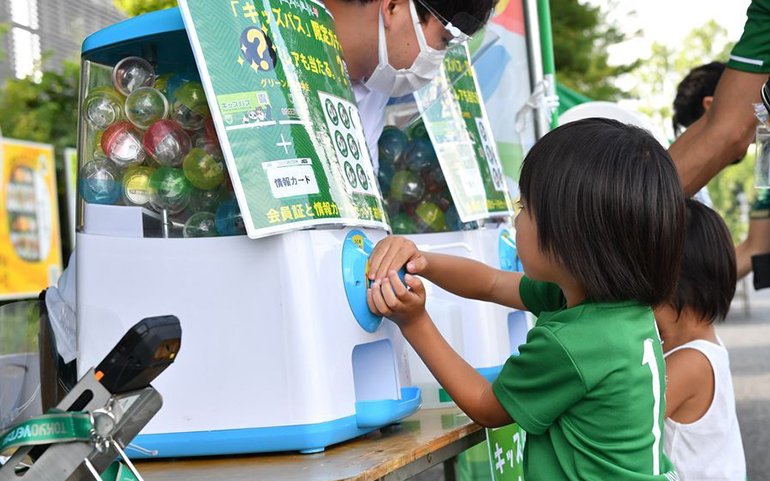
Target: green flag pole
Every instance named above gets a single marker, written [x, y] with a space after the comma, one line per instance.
[546, 44]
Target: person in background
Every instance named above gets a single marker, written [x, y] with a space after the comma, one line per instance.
[395, 47]
[727, 128]
[757, 241]
[694, 98]
[695, 94]
[702, 435]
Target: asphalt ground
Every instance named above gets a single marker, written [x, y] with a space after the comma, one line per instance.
[747, 337]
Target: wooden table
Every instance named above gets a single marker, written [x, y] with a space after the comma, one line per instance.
[395, 453]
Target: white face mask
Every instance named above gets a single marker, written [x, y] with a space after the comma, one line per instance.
[397, 83]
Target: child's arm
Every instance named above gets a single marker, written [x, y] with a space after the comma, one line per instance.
[460, 276]
[689, 385]
[406, 307]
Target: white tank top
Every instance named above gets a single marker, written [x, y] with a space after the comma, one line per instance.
[710, 449]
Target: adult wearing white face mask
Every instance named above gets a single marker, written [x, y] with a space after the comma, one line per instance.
[395, 47]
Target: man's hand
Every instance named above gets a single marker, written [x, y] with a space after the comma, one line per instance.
[391, 254]
[391, 298]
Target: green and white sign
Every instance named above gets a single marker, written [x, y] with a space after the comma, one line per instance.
[506, 452]
[287, 119]
[457, 122]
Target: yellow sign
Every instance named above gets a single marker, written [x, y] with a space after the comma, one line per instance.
[30, 245]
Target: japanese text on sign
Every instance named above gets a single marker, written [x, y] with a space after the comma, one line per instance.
[506, 451]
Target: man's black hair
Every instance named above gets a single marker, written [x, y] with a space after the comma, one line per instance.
[609, 206]
[708, 277]
[467, 15]
[701, 82]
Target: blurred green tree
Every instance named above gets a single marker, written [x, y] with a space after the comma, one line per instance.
[582, 36]
[42, 111]
[139, 7]
[3, 32]
[658, 77]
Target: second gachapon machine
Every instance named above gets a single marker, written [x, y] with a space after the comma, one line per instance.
[444, 188]
[224, 178]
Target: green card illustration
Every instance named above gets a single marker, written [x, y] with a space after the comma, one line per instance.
[506, 452]
[286, 116]
[457, 122]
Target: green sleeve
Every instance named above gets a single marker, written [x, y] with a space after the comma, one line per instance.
[541, 296]
[540, 383]
[752, 52]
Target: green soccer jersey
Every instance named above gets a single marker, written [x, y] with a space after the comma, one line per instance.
[752, 52]
[588, 387]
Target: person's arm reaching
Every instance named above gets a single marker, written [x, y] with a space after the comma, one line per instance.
[463, 277]
[758, 239]
[406, 307]
[757, 242]
[723, 134]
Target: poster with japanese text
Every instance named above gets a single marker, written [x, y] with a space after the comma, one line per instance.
[30, 245]
[504, 76]
[506, 452]
[468, 94]
[459, 128]
[286, 117]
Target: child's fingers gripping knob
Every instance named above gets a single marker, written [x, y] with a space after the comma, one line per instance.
[415, 284]
[370, 302]
[376, 257]
[398, 284]
[379, 301]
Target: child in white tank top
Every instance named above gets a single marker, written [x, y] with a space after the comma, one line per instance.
[701, 433]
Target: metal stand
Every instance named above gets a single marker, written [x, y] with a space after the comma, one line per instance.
[117, 420]
[165, 224]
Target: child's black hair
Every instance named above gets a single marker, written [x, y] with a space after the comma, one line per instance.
[609, 206]
[708, 277]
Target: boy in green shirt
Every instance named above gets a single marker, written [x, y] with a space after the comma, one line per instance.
[600, 234]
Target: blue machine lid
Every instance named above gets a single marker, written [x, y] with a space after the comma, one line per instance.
[147, 25]
[159, 37]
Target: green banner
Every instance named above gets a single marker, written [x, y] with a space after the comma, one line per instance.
[285, 114]
[506, 452]
[457, 122]
[48, 429]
